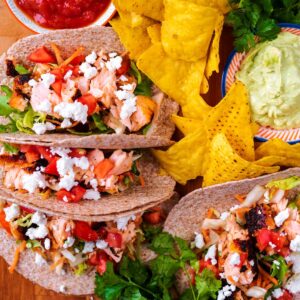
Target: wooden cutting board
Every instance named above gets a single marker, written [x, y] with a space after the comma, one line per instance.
[14, 286]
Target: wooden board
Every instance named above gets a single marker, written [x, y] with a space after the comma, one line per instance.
[14, 286]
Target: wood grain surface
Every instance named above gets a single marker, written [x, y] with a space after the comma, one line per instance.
[14, 286]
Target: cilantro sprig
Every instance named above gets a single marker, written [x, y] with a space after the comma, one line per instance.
[256, 18]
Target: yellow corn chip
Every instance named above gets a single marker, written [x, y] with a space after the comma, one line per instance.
[222, 5]
[187, 29]
[224, 164]
[195, 108]
[204, 85]
[271, 160]
[184, 160]
[136, 40]
[232, 117]
[213, 59]
[153, 9]
[187, 125]
[177, 78]
[154, 33]
[277, 147]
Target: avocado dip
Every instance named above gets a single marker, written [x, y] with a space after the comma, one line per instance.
[271, 73]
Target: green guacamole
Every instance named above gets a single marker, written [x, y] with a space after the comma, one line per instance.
[271, 72]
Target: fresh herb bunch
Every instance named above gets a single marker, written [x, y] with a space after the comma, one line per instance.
[136, 280]
[251, 18]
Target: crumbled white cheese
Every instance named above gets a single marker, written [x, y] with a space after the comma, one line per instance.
[273, 246]
[114, 63]
[39, 260]
[88, 247]
[81, 162]
[39, 218]
[60, 151]
[256, 292]
[64, 165]
[277, 293]
[211, 254]
[235, 259]
[91, 195]
[293, 284]
[123, 78]
[68, 75]
[37, 233]
[281, 217]
[41, 128]
[252, 263]
[88, 71]
[67, 182]
[112, 54]
[62, 288]
[69, 242]
[97, 93]
[122, 222]
[295, 244]
[199, 240]
[68, 255]
[128, 108]
[12, 212]
[33, 181]
[94, 183]
[226, 291]
[224, 215]
[44, 106]
[123, 95]
[127, 87]
[47, 244]
[101, 244]
[65, 123]
[32, 82]
[75, 111]
[47, 79]
[267, 196]
[91, 58]
[295, 259]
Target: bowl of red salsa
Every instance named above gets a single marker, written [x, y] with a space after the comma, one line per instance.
[46, 15]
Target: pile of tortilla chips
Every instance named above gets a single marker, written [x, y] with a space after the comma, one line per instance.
[176, 44]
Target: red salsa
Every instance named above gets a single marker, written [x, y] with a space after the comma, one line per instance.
[58, 14]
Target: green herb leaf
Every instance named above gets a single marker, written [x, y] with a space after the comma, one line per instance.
[134, 169]
[6, 90]
[185, 252]
[132, 293]
[279, 267]
[144, 84]
[150, 231]
[285, 184]
[10, 148]
[99, 123]
[163, 244]
[21, 70]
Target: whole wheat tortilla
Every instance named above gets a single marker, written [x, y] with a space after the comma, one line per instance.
[187, 216]
[157, 189]
[92, 38]
[41, 275]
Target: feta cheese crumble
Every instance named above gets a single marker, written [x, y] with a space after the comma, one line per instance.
[33, 181]
[88, 247]
[37, 233]
[211, 255]
[114, 63]
[88, 71]
[235, 259]
[91, 195]
[226, 291]
[199, 240]
[91, 58]
[281, 217]
[101, 244]
[47, 244]
[69, 242]
[128, 108]
[293, 284]
[47, 79]
[39, 218]
[75, 111]
[41, 128]
[44, 106]
[67, 182]
[12, 212]
[122, 222]
[65, 123]
[277, 293]
[295, 244]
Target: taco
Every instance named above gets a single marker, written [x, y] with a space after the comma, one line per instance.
[81, 82]
[84, 183]
[63, 254]
[246, 234]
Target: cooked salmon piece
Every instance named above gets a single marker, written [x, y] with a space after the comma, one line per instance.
[14, 178]
[122, 162]
[95, 157]
[61, 229]
[18, 102]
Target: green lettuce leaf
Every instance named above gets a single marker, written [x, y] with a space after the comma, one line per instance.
[285, 184]
[21, 70]
[5, 109]
[279, 267]
[10, 148]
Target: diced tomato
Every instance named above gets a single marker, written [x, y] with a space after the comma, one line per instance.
[286, 296]
[266, 237]
[93, 260]
[103, 167]
[45, 152]
[42, 55]
[84, 232]
[76, 70]
[77, 152]
[75, 195]
[28, 148]
[32, 156]
[99, 259]
[28, 210]
[243, 258]
[78, 60]
[152, 217]
[285, 251]
[207, 265]
[57, 86]
[114, 239]
[58, 72]
[124, 66]
[51, 169]
[4, 223]
[90, 101]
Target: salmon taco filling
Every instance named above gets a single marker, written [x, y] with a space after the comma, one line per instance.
[98, 93]
[67, 245]
[254, 249]
[71, 174]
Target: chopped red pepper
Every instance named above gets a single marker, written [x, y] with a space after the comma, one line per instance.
[45, 152]
[208, 265]
[57, 86]
[124, 66]
[114, 239]
[266, 237]
[90, 101]
[77, 152]
[84, 232]
[286, 296]
[75, 195]
[42, 55]
[51, 169]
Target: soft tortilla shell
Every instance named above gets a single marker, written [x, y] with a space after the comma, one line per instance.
[187, 216]
[92, 38]
[157, 189]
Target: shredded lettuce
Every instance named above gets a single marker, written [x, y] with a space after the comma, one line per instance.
[279, 267]
[33, 244]
[99, 123]
[8, 148]
[144, 84]
[21, 70]
[285, 184]
[25, 221]
[5, 109]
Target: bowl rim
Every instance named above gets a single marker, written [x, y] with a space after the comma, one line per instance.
[36, 28]
[226, 69]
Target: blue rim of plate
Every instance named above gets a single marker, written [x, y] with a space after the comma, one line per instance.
[226, 68]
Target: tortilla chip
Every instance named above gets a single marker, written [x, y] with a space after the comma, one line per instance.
[196, 108]
[177, 78]
[271, 160]
[187, 125]
[224, 164]
[154, 32]
[204, 85]
[222, 5]
[187, 29]
[184, 160]
[277, 147]
[213, 59]
[232, 117]
[153, 9]
[135, 41]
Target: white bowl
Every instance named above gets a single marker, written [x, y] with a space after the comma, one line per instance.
[30, 24]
